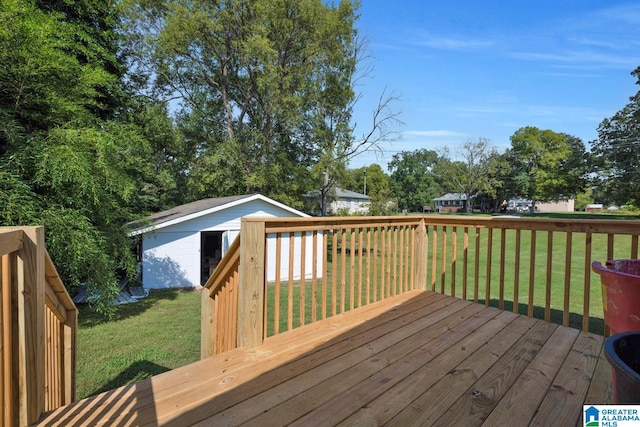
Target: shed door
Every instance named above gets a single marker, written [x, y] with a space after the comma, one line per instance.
[210, 252]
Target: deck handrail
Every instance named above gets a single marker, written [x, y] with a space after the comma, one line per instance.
[241, 302]
[219, 305]
[525, 264]
[39, 323]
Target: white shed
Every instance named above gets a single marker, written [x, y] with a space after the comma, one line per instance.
[180, 247]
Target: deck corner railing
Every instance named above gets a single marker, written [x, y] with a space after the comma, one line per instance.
[39, 321]
[283, 273]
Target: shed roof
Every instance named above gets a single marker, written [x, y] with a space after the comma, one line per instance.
[198, 208]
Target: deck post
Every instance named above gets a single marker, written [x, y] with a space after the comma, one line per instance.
[251, 291]
[31, 325]
[420, 256]
[70, 345]
[207, 321]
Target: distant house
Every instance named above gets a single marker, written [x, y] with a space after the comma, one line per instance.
[180, 247]
[451, 202]
[594, 207]
[352, 202]
[339, 200]
[524, 205]
[567, 205]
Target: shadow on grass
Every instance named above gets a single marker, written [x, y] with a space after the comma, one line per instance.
[137, 371]
[596, 324]
[88, 317]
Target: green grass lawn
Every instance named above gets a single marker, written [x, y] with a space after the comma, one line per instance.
[154, 335]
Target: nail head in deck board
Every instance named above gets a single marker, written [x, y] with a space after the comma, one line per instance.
[471, 410]
[389, 404]
[527, 392]
[570, 386]
[371, 363]
[600, 391]
[437, 399]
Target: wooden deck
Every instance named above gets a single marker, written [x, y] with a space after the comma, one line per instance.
[415, 359]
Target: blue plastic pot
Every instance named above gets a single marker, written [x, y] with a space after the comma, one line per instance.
[623, 353]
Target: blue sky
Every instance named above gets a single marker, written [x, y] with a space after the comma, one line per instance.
[473, 69]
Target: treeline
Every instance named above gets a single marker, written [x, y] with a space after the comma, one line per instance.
[110, 110]
[539, 165]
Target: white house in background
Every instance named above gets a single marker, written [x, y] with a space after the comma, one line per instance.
[180, 247]
[352, 202]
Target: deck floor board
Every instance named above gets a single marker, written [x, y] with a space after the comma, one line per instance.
[415, 359]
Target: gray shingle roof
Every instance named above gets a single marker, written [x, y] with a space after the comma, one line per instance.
[184, 210]
[452, 196]
[342, 193]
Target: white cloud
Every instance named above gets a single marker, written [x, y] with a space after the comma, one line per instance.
[449, 43]
[580, 57]
[434, 133]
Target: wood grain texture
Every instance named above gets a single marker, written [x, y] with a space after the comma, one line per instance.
[418, 358]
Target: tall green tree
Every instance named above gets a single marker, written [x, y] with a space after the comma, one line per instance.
[547, 165]
[616, 154]
[67, 150]
[44, 81]
[413, 179]
[158, 157]
[468, 172]
[264, 90]
[340, 148]
[372, 181]
[501, 173]
[254, 79]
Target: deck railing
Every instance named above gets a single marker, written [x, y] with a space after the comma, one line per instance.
[539, 267]
[220, 305]
[284, 272]
[38, 329]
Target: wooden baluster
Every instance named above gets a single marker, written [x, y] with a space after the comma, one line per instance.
[587, 281]
[290, 281]
[532, 273]
[278, 267]
[476, 272]
[487, 296]
[314, 277]
[567, 279]
[303, 284]
[503, 240]
[465, 262]
[454, 254]
[434, 255]
[547, 298]
[443, 260]
[516, 275]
